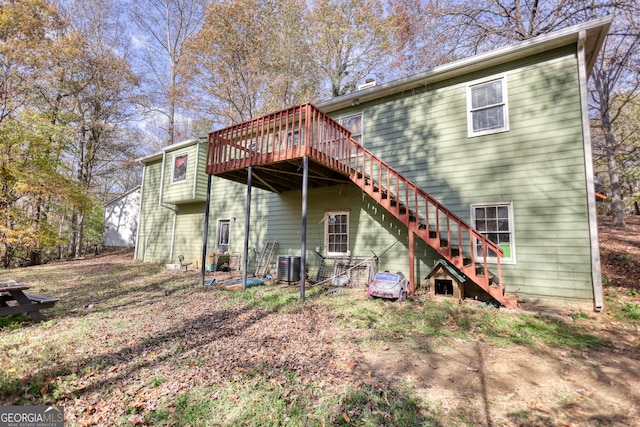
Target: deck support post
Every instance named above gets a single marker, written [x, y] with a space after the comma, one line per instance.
[412, 266]
[247, 222]
[206, 230]
[303, 247]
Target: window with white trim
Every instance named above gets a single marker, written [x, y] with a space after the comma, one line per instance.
[495, 222]
[336, 232]
[353, 124]
[487, 107]
[180, 163]
[224, 226]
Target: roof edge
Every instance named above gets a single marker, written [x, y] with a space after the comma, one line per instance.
[595, 30]
[176, 146]
[125, 194]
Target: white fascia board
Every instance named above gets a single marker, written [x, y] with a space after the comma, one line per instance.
[176, 146]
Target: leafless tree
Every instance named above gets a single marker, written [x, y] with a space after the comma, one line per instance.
[464, 27]
[163, 28]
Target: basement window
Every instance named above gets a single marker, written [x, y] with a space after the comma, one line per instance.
[495, 222]
[180, 163]
[336, 232]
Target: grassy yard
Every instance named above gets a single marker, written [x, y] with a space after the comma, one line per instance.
[136, 344]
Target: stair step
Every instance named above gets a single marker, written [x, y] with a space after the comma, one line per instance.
[510, 300]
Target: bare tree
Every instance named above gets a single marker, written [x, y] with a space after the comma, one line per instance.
[468, 27]
[163, 28]
[249, 58]
[102, 106]
[614, 96]
[349, 41]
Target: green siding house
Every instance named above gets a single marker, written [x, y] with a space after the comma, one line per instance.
[485, 162]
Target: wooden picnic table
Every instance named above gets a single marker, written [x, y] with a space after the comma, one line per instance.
[13, 301]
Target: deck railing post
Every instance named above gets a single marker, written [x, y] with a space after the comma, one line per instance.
[310, 132]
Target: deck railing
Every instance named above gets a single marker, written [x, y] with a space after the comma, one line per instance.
[306, 131]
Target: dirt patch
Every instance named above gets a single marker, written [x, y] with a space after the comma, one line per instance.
[620, 252]
[539, 385]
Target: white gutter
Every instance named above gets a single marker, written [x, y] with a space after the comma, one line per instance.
[596, 269]
[173, 236]
[135, 250]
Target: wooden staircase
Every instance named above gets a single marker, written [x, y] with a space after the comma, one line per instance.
[269, 139]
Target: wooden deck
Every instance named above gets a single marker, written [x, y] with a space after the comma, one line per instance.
[274, 146]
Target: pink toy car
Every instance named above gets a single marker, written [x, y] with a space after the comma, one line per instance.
[389, 285]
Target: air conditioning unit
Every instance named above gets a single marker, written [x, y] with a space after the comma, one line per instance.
[366, 85]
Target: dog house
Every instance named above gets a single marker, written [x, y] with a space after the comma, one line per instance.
[446, 281]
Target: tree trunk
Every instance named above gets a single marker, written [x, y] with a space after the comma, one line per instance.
[35, 257]
[6, 255]
[72, 235]
[80, 236]
[617, 211]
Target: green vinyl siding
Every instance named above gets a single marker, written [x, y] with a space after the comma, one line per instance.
[155, 222]
[371, 228]
[194, 188]
[160, 242]
[201, 177]
[538, 165]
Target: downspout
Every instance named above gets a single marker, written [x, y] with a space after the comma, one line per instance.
[164, 161]
[206, 229]
[596, 269]
[195, 173]
[135, 250]
[173, 234]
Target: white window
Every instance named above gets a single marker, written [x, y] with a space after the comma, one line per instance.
[293, 139]
[495, 222]
[180, 163]
[487, 106]
[353, 124]
[336, 232]
[224, 226]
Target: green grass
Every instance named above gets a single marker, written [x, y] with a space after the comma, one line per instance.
[390, 321]
[631, 311]
[274, 297]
